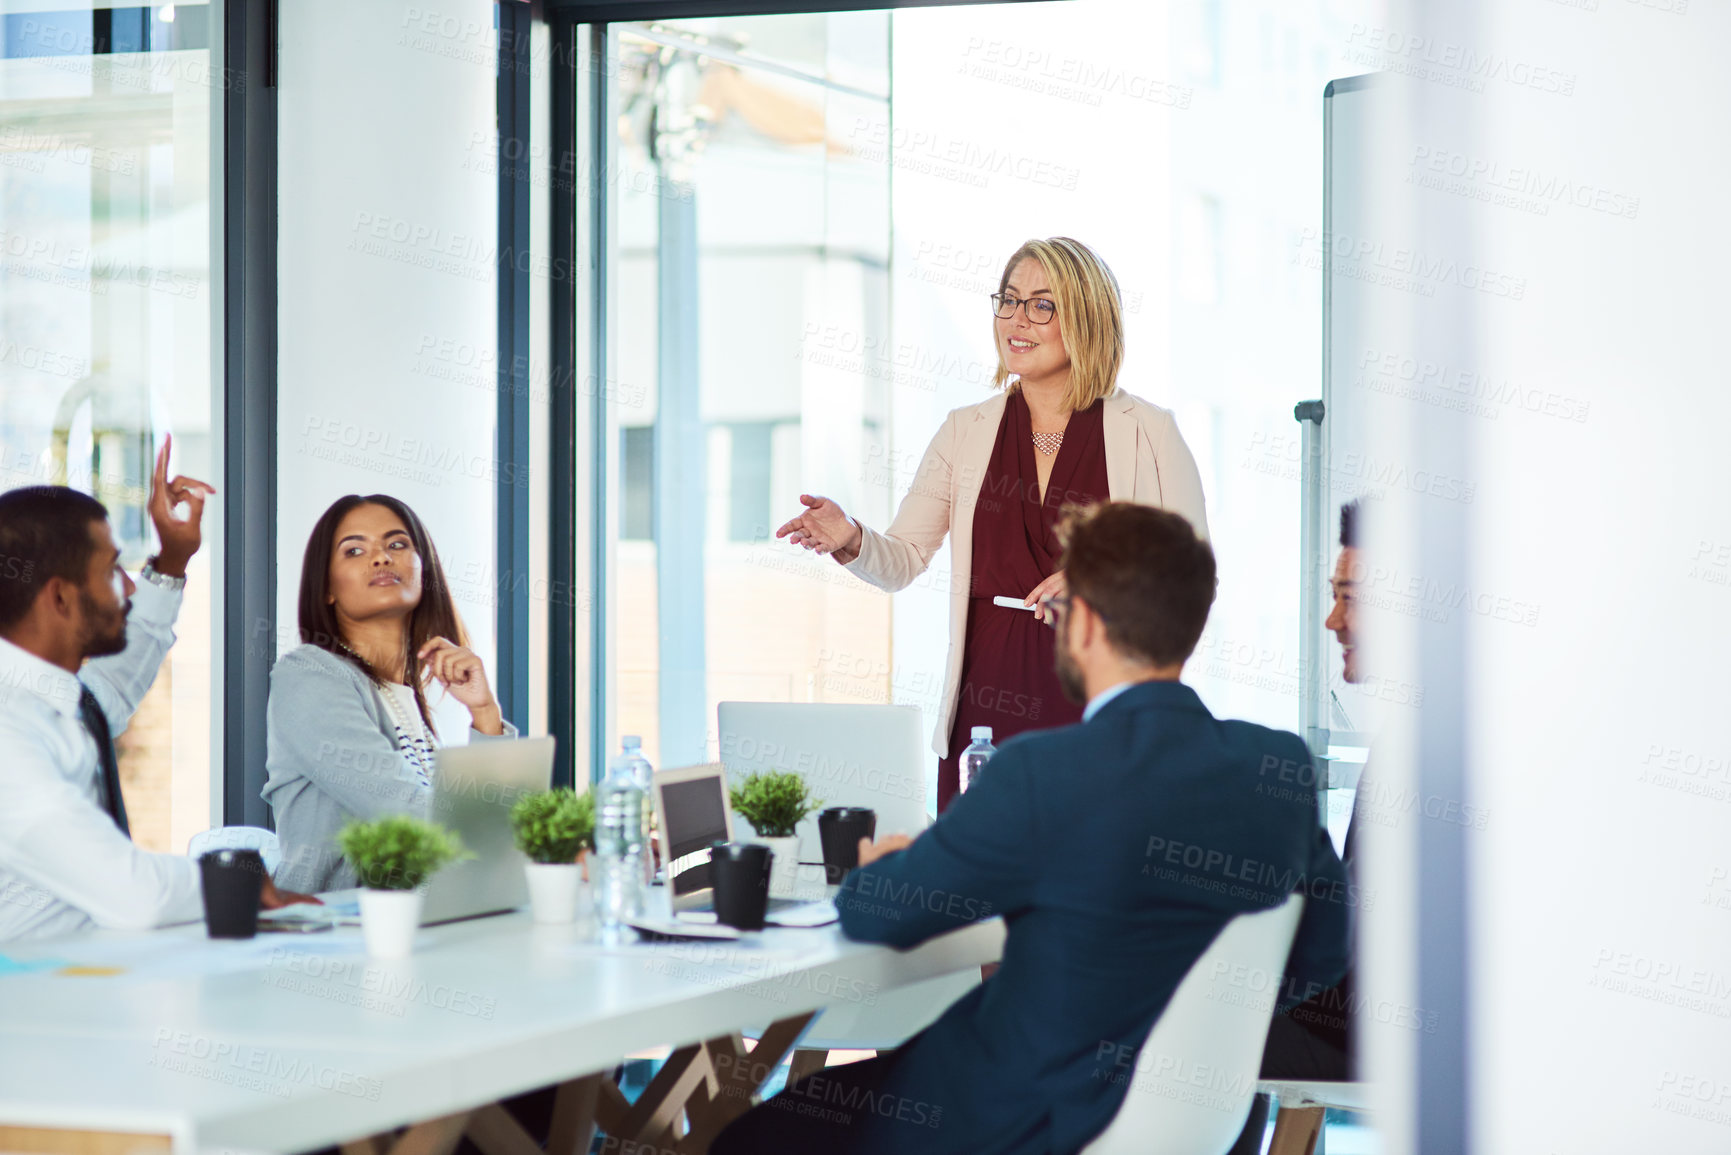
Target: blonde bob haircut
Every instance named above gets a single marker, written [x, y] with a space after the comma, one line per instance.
[1088, 309]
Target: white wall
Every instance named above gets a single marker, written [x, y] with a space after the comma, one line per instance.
[387, 237]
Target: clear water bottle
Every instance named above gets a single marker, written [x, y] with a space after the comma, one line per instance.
[619, 848]
[631, 753]
[974, 758]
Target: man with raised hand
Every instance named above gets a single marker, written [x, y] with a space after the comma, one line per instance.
[80, 644]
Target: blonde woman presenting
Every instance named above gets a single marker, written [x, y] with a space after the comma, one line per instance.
[996, 476]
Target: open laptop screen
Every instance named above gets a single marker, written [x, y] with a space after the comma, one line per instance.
[694, 816]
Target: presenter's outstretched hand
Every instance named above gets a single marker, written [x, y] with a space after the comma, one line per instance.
[179, 538]
[465, 679]
[824, 527]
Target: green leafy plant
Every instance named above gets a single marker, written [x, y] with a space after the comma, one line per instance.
[774, 802]
[554, 825]
[398, 852]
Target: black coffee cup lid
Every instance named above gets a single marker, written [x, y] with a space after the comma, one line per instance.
[228, 854]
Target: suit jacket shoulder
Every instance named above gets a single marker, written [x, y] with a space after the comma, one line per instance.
[992, 406]
[1153, 418]
[308, 680]
[309, 658]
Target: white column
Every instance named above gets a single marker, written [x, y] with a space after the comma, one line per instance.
[387, 241]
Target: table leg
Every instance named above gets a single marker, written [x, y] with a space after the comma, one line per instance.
[573, 1128]
[1296, 1130]
[739, 1077]
[663, 1101]
[434, 1137]
[806, 1061]
[496, 1132]
[53, 1141]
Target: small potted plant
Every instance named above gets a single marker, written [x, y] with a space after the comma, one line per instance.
[393, 857]
[775, 802]
[555, 828]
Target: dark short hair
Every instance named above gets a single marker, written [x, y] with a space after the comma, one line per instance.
[435, 617]
[1145, 572]
[44, 533]
[1349, 525]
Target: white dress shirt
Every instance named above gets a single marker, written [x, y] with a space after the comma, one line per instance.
[64, 865]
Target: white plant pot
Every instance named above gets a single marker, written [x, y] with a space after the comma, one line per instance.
[784, 867]
[553, 890]
[388, 921]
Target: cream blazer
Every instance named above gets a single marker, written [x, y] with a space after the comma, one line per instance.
[1146, 462]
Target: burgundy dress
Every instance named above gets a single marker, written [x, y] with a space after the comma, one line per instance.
[1008, 682]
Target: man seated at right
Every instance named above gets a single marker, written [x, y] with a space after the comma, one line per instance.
[1115, 850]
[1316, 1041]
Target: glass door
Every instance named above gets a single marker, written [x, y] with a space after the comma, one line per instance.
[105, 318]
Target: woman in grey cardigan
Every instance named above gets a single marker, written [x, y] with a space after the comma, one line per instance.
[348, 731]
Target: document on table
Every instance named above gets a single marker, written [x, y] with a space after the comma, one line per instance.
[310, 916]
[808, 914]
[800, 916]
[150, 957]
[29, 966]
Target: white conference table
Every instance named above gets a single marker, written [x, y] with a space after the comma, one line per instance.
[290, 1042]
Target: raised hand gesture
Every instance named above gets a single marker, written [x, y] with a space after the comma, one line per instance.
[825, 528]
[179, 538]
[465, 679]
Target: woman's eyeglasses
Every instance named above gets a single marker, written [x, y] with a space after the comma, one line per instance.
[1038, 310]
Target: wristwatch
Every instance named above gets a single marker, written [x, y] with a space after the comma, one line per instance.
[149, 574]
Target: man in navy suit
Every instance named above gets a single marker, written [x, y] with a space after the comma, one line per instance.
[1115, 850]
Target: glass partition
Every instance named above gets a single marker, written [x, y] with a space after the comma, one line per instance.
[105, 314]
[750, 267]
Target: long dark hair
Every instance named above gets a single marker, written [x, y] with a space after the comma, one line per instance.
[434, 617]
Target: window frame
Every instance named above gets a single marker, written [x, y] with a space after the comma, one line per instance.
[576, 585]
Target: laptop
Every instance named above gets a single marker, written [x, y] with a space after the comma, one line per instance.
[851, 755]
[693, 815]
[474, 788]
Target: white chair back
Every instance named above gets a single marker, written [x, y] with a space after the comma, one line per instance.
[238, 838]
[1191, 1086]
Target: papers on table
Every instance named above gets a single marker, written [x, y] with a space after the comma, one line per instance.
[149, 957]
[29, 966]
[682, 927]
[310, 916]
[806, 915]
[800, 916]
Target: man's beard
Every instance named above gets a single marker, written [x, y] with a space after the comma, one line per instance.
[106, 636]
[1069, 676]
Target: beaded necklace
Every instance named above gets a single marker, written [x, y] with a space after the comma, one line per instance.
[418, 752]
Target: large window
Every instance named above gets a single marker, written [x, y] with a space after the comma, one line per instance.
[749, 290]
[809, 213]
[1185, 149]
[105, 320]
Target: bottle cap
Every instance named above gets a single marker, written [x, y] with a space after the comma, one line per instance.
[983, 732]
[630, 742]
